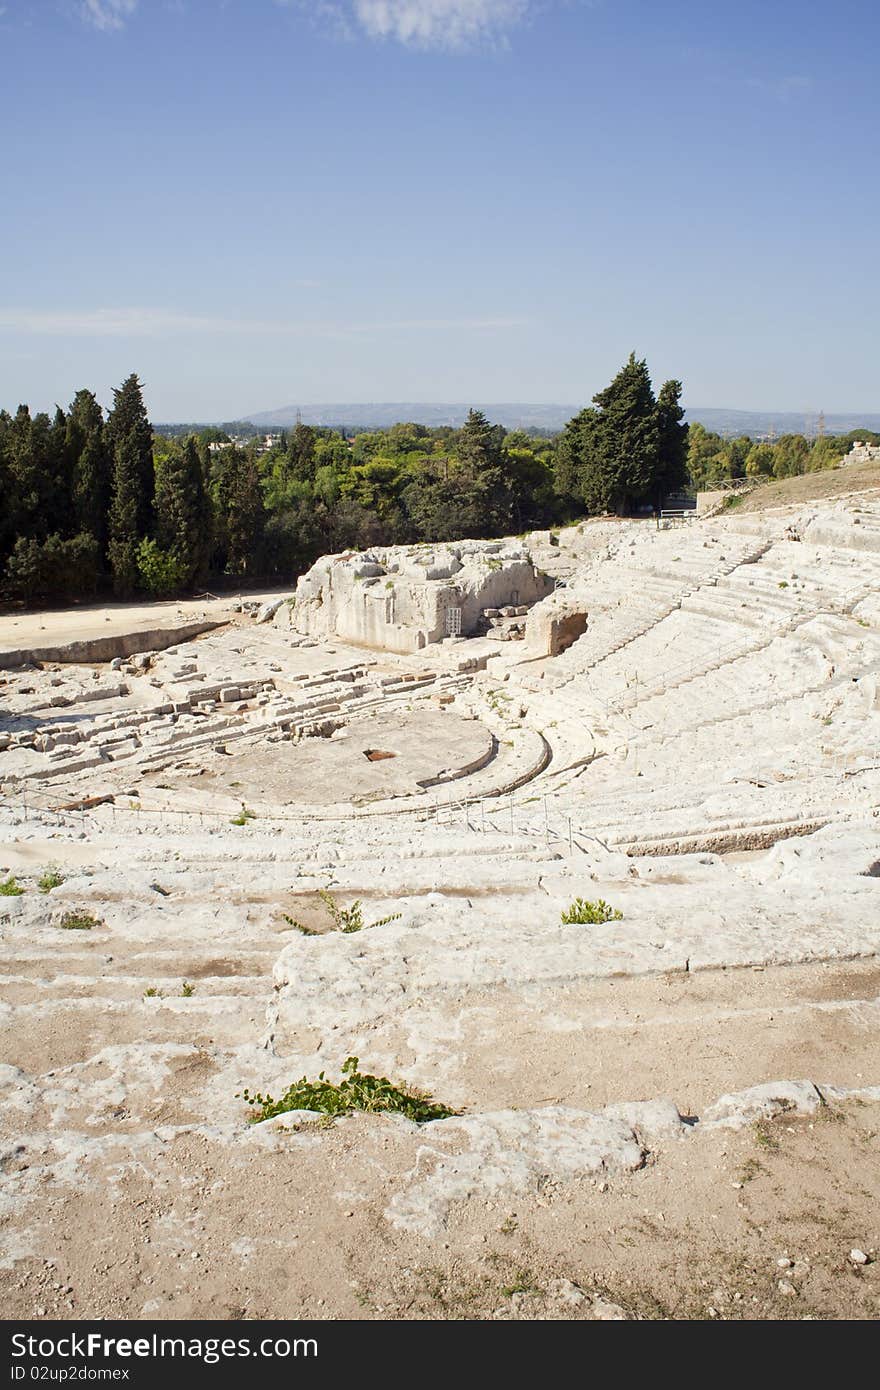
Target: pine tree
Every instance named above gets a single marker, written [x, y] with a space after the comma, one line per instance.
[131, 511]
[479, 453]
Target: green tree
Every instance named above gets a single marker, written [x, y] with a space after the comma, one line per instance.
[671, 470]
[478, 451]
[183, 523]
[132, 509]
[245, 515]
[759, 461]
[91, 459]
[790, 456]
[301, 451]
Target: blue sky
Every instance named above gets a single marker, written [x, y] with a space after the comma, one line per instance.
[253, 203]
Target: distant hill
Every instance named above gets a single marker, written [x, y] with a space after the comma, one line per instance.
[380, 415]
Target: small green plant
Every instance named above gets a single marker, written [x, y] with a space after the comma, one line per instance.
[152, 993]
[243, 816]
[764, 1137]
[11, 888]
[300, 926]
[187, 990]
[522, 1283]
[356, 1091]
[344, 919]
[588, 914]
[79, 921]
[783, 583]
[50, 878]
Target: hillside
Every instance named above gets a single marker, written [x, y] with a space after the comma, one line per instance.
[521, 415]
[810, 487]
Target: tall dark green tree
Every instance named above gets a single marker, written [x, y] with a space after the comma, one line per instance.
[182, 514]
[91, 464]
[301, 451]
[671, 471]
[131, 510]
[480, 456]
[629, 448]
[245, 514]
[622, 449]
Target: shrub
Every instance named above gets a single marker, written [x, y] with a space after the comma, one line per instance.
[243, 817]
[53, 566]
[356, 1091]
[161, 572]
[11, 888]
[79, 921]
[187, 990]
[50, 878]
[589, 914]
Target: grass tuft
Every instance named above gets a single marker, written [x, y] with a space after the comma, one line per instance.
[589, 914]
[79, 921]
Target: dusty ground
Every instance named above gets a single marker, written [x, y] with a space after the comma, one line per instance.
[299, 1232]
[324, 771]
[639, 1133]
[58, 626]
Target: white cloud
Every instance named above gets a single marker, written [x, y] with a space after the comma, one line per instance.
[150, 323]
[449, 24]
[438, 23]
[107, 14]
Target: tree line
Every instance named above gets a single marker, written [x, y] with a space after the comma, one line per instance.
[97, 504]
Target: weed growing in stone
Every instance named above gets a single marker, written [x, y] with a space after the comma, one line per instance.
[589, 914]
[79, 921]
[344, 919]
[187, 990]
[50, 878]
[243, 817]
[11, 888]
[300, 926]
[356, 1091]
[152, 993]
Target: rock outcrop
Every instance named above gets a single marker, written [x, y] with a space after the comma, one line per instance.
[400, 599]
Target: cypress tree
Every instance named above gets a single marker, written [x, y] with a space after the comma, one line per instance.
[131, 510]
[672, 470]
[628, 447]
[92, 467]
[301, 451]
[621, 448]
[182, 515]
[245, 516]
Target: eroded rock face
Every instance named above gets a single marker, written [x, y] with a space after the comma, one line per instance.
[400, 599]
